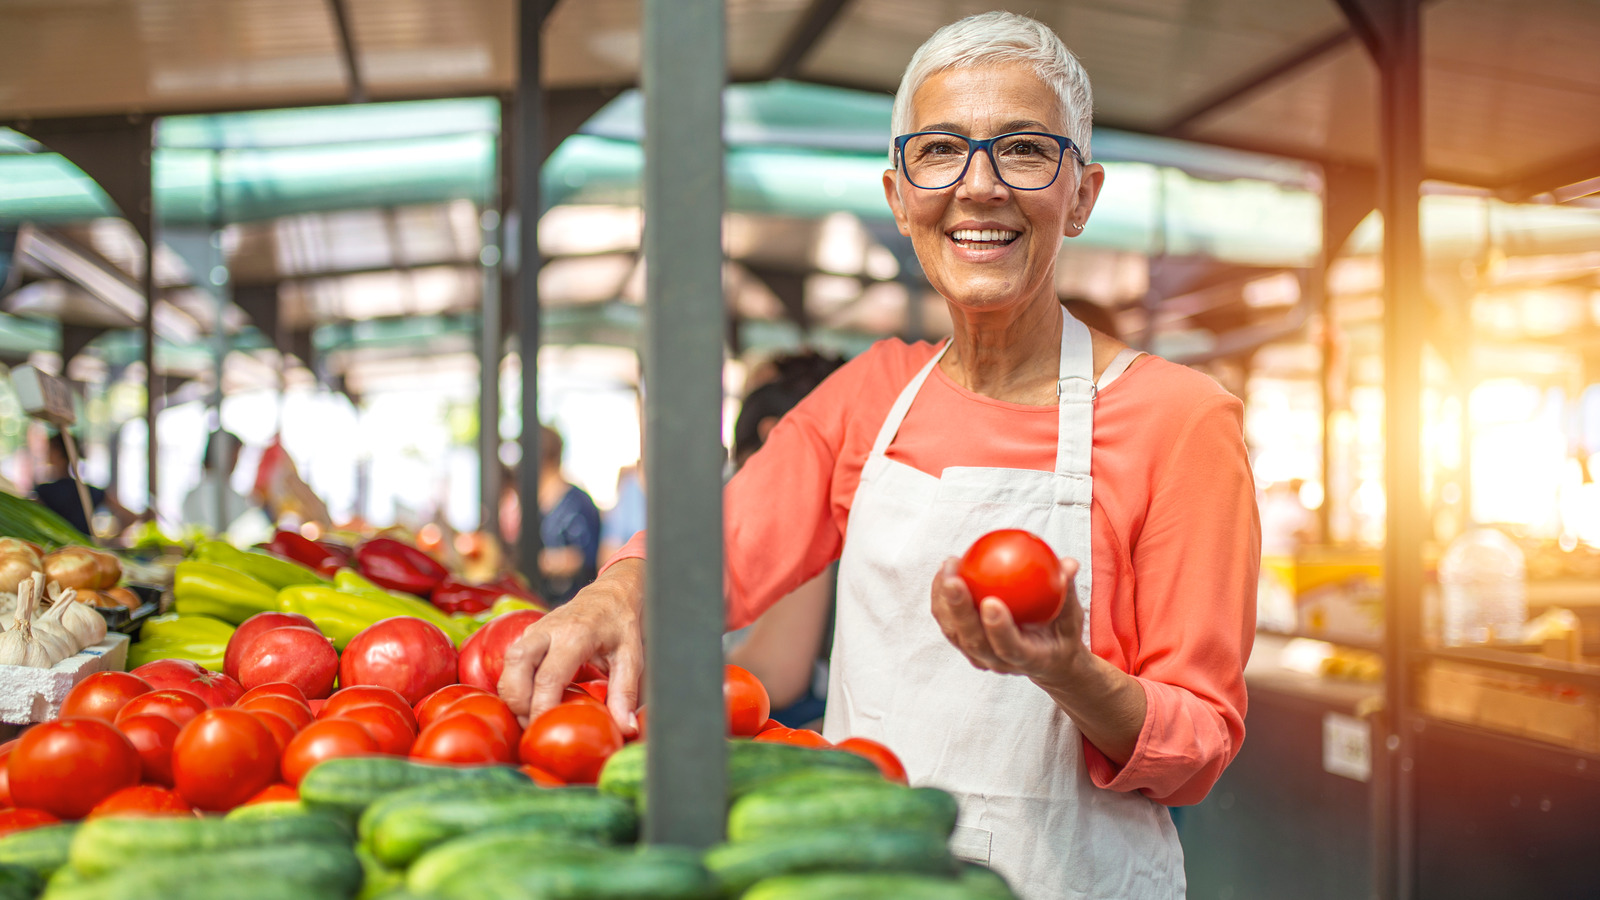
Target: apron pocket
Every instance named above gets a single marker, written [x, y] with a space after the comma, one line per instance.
[971, 844]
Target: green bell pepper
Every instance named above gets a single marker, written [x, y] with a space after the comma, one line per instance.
[211, 590]
[268, 569]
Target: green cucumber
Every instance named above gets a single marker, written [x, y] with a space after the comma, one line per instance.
[810, 781]
[269, 809]
[863, 886]
[985, 882]
[350, 784]
[377, 879]
[276, 872]
[749, 764]
[43, 850]
[651, 873]
[105, 845]
[758, 815]
[472, 853]
[19, 882]
[738, 866]
[402, 826]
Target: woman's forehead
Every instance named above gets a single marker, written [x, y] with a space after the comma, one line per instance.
[991, 99]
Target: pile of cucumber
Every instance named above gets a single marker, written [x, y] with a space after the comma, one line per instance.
[803, 823]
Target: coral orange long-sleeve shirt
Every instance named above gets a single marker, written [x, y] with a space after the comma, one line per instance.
[1174, 531]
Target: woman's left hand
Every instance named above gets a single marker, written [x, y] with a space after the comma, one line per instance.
[991, 639]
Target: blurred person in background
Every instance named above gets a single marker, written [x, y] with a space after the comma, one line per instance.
[569, 526]
[1286, 523]
[280, 489]
[60, 493]
[626, 517]
[787, 648]
[216, 474]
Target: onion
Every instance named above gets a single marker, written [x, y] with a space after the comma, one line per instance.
[109, 568]
[15, 568]
[73, 567]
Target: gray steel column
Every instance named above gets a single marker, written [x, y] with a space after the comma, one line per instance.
[526, 144]
[683, 76]
[491, 346]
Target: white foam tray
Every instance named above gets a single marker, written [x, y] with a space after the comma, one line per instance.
[35, 695]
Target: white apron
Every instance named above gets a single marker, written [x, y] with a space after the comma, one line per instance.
[997, 742]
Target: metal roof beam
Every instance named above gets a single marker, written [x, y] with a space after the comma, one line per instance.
[347, 50]
[1255, 80]
[1579, 167]
[814, 23]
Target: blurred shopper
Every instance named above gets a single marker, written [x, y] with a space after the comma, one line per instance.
[626, 517]
[216, 475]
[1286, 523]
[787, 648]
[570, 526]
[280, 489]
[60, 493]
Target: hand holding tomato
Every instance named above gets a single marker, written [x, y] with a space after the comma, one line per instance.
[990, 636]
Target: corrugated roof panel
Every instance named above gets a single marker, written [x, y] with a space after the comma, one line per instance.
[417, 46]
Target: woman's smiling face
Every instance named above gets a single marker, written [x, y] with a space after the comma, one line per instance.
[973, 270]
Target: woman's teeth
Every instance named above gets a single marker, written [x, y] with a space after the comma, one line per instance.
[965, 237]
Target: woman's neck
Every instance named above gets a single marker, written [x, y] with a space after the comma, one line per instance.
[1010, 355]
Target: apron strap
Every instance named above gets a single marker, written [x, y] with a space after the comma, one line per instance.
[1119, 364]
[897, 413]
[1076, 393]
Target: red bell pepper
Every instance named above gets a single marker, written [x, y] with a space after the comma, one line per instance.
[454, 596]
[513, 583]
[399, 567]
[294, 546]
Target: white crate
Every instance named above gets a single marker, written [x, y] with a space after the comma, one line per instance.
[35, 695]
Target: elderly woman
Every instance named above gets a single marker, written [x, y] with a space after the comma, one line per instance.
[1064, 741]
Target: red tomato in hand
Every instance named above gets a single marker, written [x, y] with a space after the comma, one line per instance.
[300, 656]
[283, 731]
[277, 688]
[179, 706]
[491, 709]
[142, 800]
[181, 674]
[747, 701]
[102, 695]
[571, 741]
[390, 731]
[13, 820]
[438, 701]
[254, 627]
[293, 711]
[367, 695]
[881, 756]
[223, 758]
[462, 738]
[67, 766]
[1020, 569]
[483, 656]
[404, 653]
[327, 739]
[153, 736]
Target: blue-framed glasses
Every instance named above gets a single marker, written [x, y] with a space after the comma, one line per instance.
[1024, 160]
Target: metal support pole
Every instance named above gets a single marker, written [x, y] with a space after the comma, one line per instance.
[683, 75]
[526, 144]
[152, 393]
[491, 345]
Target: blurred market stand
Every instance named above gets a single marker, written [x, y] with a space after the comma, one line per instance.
[334, 187]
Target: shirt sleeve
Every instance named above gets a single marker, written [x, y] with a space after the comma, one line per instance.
[1195, 563]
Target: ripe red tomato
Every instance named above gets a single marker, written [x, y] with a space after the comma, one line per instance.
[571, 741]
[368, 695]
[300, 656]
[462, 738]
[483, 656]
[573, 694]
[142, 800]
[436, 702]
[541, 777]
[770, 724]
[293, 711]
[881, 756]
[5, 774]
[254, 627]
[778, 735]
[389, 730]
[327, 739]
[1020, 569]
[179, 706]
[274, 793]
[153, 736]
[747, 701]
[804, 737]
[212, 687]
[12, 820]
[67, 766]
[279, 688]
[102, 694]
[283, 731]
[223, 758]
[595, 689]
[491, 709]
[405, 653]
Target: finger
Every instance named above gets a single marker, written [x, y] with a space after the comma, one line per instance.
[1008, 642]
[569, 649]
[622, 691]
[958, 618]
[1069, 623]
[516, 679]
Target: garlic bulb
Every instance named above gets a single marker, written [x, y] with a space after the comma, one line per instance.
[18, 647]
[52, 622]
[85, 625]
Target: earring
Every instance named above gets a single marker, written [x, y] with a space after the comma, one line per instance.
[1076, 227]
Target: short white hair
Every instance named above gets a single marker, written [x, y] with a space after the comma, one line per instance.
[1001, 37]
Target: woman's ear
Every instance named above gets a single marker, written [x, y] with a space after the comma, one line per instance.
[1089, 184]
[891, 193]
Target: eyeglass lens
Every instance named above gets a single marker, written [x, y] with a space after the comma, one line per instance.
[1023, 161]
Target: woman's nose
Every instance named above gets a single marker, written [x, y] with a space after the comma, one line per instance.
[981, 181]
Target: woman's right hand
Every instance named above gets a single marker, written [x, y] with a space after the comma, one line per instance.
[602, 625]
